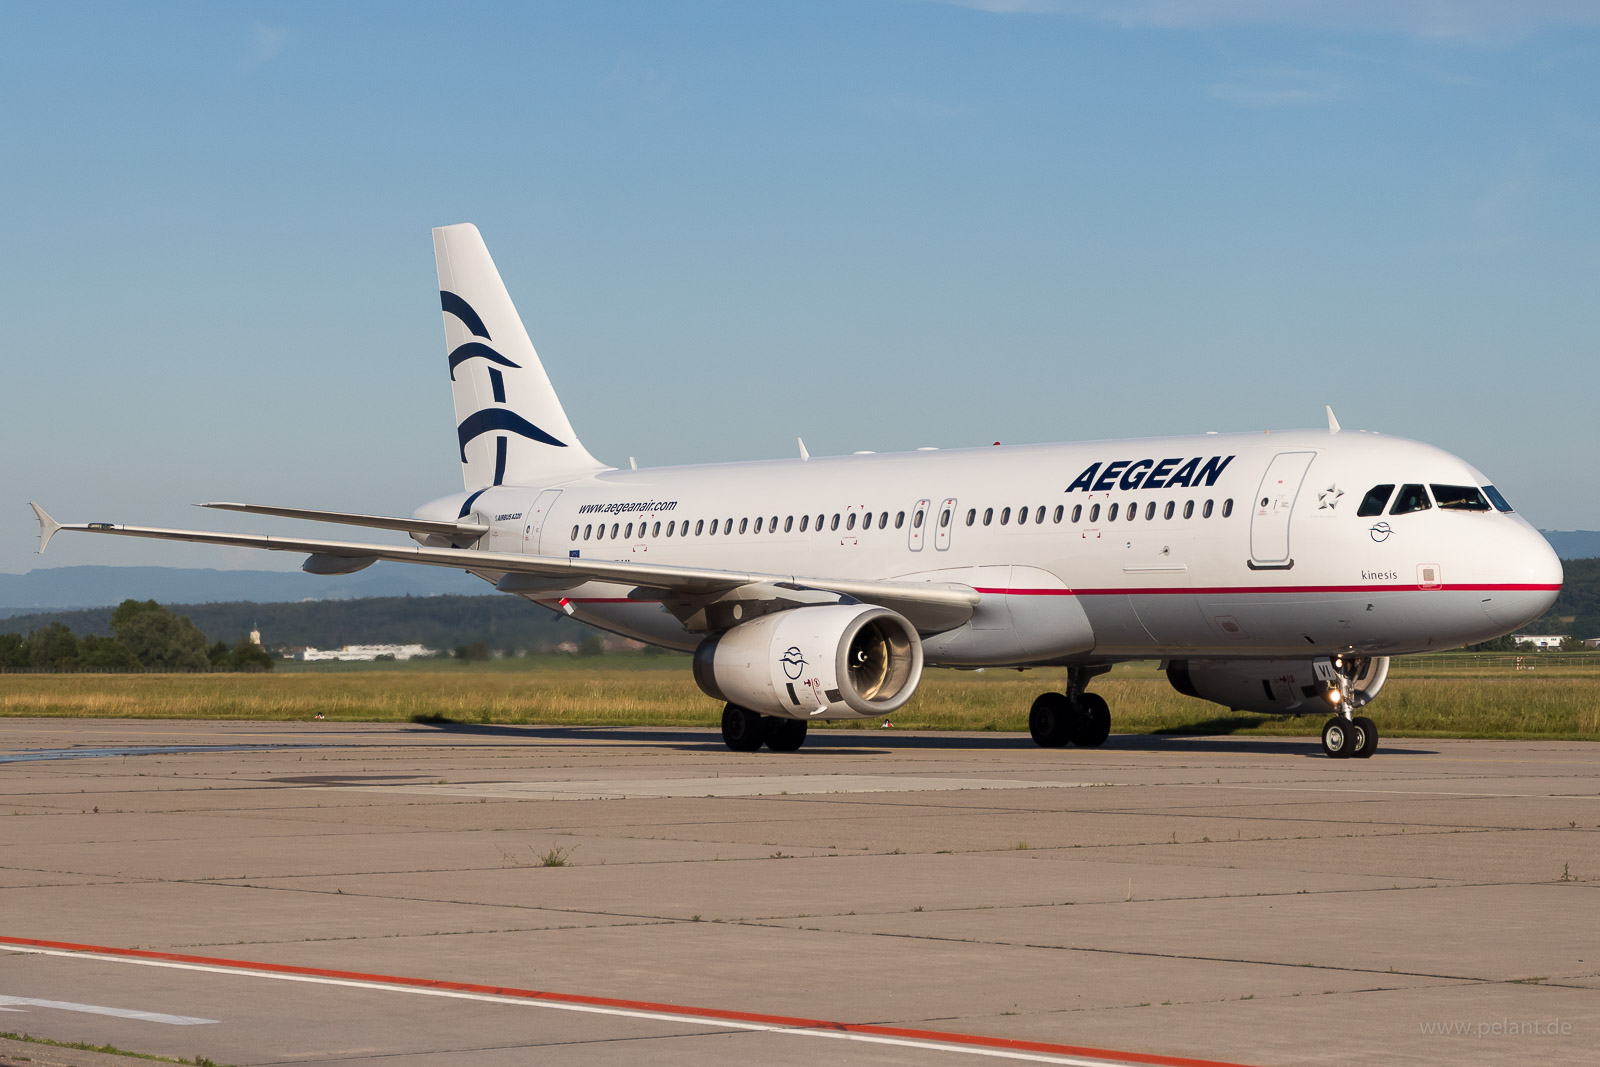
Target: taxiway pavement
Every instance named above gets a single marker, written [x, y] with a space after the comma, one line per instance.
[421, 895]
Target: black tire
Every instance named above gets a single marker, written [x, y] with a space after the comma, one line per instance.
[1051, 720]
[1093, 723]
[784, 735]
[742, 729]
[1369, 737]
[1340, 737]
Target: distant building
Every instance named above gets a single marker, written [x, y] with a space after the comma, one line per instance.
[1540, 640]
[1591, 642]
[357, 653]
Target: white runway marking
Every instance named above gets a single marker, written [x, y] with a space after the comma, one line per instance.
[766, 785]
[23, 1003]
[717, 1023]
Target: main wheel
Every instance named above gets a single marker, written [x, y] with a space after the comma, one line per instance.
[784, 735]
[742, 729]
[1051, 720]
[1369, 737]
[1340, 737]
[1093, 725]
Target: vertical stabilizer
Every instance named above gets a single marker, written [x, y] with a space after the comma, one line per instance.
[510, 426]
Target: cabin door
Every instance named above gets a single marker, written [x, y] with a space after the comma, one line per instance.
[1273, 508]
[535, 519]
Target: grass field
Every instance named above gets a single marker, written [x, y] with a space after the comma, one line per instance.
[1439, 696]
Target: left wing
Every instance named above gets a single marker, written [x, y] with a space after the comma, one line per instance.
[930, 606]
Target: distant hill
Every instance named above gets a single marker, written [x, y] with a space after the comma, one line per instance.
[1574, 544]
[53, 588]
[444, 622]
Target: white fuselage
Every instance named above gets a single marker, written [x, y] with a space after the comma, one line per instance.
[1253, 549]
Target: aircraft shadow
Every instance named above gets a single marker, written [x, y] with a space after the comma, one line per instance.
[885, 742]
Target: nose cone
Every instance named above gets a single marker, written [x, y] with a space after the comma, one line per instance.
[1532, 581]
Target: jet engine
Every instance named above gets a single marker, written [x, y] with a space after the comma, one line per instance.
[834, 661]
[1281, 686]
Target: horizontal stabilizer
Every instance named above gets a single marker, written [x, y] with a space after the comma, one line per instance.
[374, 522]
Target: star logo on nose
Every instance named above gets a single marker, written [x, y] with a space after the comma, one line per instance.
[1329, 497]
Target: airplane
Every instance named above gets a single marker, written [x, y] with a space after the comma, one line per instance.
[1269, 572]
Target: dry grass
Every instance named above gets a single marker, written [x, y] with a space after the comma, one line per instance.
[1553, 702]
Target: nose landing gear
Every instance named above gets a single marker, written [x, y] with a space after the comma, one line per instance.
[1352, 737]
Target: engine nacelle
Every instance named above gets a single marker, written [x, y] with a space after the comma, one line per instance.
[833, 661]
[1280, 686]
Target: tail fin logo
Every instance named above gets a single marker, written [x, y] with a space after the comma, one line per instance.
[490, 420]
[455, 305]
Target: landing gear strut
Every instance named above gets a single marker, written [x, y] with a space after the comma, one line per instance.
[1075, 717]
[744, 730]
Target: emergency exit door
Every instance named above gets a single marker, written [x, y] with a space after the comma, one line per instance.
[536, 516]
[1274, 507]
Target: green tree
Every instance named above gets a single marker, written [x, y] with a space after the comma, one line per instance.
[159, 639]
[473, 653]
[591, 646]
[248, 656]
[14, 653]
[97, 653]
[52, 648]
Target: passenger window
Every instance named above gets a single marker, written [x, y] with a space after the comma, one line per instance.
[1061, 510]
[614, 530]
[714, 525]
[629, 535]
[883, 521]
[805, 520]
[1188, 509]
[671, 526]
[899, 519]
[1205, 513]
[820, 518]
[758, 524]
[1150, 511]
[1111, 513]
[835, 524]
[1005, 516]
[1227, 507]
[1167, 514]
[1459, 498]
[850, 523]
[788, 524]
[1410, 498]
[1077, 512]
[1374, 501]
[1133, 511]
[772, 525]
[1094, 513]
[916, 523]
[988, 516]
[1038, 518]
[1022, 515]
[972, 516]
[574, 533]
[944, 518]
[699, 526]
[655, 531]
[1496, 499]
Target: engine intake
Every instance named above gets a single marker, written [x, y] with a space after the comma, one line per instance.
[835, 661]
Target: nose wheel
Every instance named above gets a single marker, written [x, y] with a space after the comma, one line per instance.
[1352, 738]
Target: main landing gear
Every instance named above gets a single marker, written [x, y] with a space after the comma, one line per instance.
[1355, 737]
[1075, 717]
[744, 730]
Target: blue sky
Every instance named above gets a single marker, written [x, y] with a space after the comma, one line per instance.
[877, 224]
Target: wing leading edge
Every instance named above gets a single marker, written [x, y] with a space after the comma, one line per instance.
[930, 606]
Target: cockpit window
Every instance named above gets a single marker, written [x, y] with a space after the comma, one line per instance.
[1410, 498]
[1496, 499]
[1374, 501]
[1459, 498]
